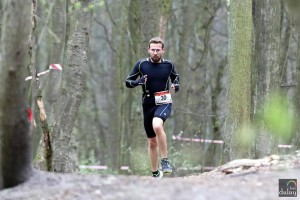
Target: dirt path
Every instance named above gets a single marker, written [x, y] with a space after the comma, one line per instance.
[256, 183]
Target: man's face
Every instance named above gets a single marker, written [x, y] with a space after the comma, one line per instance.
[156, 52]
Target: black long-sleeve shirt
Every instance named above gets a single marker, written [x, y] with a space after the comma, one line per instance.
[158, 76]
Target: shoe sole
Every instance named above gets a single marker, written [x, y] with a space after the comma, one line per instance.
[167, 172]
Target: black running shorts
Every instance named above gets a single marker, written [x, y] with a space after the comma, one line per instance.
[150, 111]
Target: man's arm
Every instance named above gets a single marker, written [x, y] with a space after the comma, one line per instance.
[131, 81]
[174, 79]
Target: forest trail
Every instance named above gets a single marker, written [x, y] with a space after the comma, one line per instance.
[241, 179]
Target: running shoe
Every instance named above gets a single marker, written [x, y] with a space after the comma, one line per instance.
[158, 175]
[166, 166]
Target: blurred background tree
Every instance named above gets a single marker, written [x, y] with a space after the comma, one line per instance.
[15, 137]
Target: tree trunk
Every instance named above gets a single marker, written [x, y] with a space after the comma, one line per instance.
[149, 23]
[58, 27]
[267, 71]
[294, 12]
[239, 93]
[1, 17]
[44, 154]
[134, 17]
[182, 120]
[116, 114]
[73, 83]
[16, 152]
[198, 62]
[296, 140]
[166, 8]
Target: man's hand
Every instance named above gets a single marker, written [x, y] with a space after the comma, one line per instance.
[142, 80]
[175, 87]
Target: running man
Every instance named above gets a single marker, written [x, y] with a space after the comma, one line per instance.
[154, 75]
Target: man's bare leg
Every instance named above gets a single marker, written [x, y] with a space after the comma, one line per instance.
[158, 128]
[153, 153]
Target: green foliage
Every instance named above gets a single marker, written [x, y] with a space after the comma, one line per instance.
[178, 158]
[279, 120]
[276, 119]
[245, 136]
[140, 163]
[77, 5]
[91, 6]
[166, 6]
[43, 2]
[37, 158]
[101, 3]
[186, 155]
[91, 160]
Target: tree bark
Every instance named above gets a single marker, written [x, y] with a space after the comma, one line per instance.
[73, 83]
[58, 29]
[166, 8]
[116, 114]
[239, 93]
[182, 121]
[16, 152]
[1, 14]
[267, 70]
[149, 23]
[134, 18]
[296, 140]
[294, 13]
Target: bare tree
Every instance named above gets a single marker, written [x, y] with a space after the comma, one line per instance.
[239, 93]
[266, 67]
[294, 10]
[193, 38]
[166, 8]
[183, 64]
[0, 17]
[72, 86]
[16, 155]
[58, 30]
[58, 34]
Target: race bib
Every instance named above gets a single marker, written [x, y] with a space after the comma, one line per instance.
[163, 97]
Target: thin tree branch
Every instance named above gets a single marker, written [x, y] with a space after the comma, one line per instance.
[109, 13]
[106, 35]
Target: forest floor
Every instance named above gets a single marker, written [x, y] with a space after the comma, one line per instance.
[240, 179]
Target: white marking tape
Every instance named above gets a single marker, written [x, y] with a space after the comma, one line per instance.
[93, 167]
[100, 167]
[55, 67]
[284, 146]
[176, 137]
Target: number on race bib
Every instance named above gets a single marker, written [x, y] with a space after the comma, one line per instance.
[163, 97]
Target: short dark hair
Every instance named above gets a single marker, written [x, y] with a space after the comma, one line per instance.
[157, 40]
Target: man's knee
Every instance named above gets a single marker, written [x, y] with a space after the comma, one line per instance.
[152, 142]
[157, 125]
